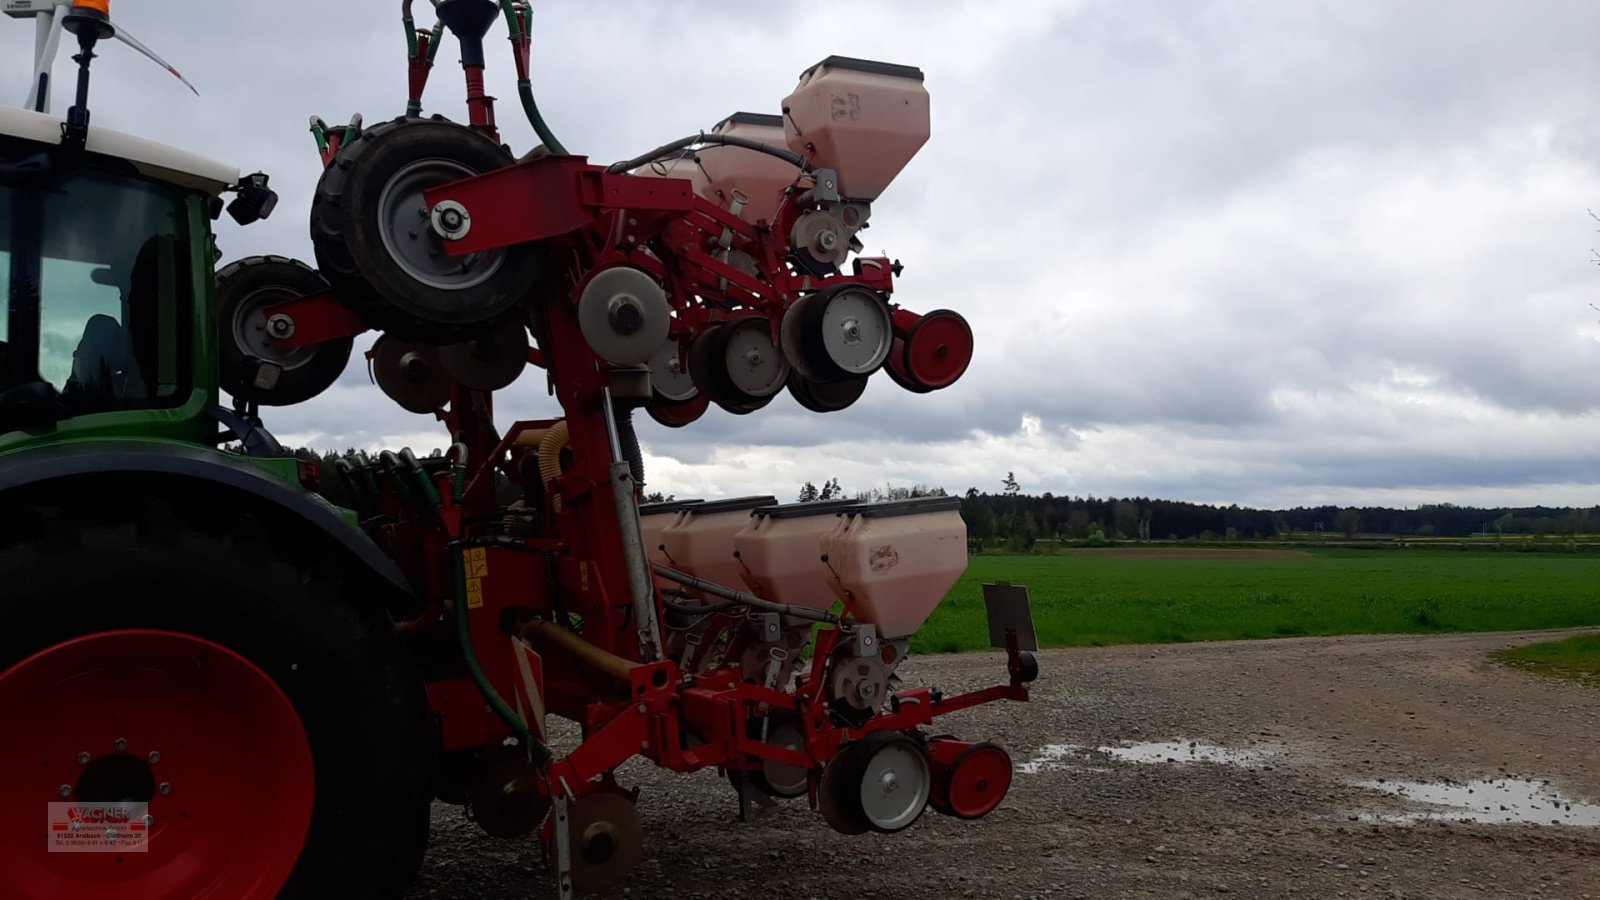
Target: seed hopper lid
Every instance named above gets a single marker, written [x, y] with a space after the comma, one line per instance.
[666, 506]
[733, 504]
[803, 509]
[915, 506]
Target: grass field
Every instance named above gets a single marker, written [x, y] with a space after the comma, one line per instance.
[1576, 658]
[1154, 596]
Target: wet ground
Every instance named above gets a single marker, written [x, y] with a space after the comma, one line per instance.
[1325, 767]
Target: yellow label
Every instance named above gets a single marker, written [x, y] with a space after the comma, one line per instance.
[474, 593]
[477, 562]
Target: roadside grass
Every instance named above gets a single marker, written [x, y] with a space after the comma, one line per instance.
[1576, 658]
[1082, 599]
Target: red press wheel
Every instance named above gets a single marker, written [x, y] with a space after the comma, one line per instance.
[185, 725]
[974, 783]
[938, 349]
[677, 415]
[895, 365]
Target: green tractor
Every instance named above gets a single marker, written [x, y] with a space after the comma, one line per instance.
[190, 630]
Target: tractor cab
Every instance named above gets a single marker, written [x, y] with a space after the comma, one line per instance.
[106, 254]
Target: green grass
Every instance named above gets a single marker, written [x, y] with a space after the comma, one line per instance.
[1576, 658]
[1084, 599]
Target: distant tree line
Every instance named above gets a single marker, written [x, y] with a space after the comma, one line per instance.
[1017, 520]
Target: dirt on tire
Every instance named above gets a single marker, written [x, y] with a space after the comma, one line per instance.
[1313, 717]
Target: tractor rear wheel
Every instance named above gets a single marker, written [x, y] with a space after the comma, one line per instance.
[275, 727]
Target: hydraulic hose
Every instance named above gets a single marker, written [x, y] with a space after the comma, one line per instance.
[726, 140]
[525, 85]
[536, 748]
[629, 439]
[740, 597]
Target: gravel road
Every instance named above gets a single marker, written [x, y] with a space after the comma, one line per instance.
[1094, 813]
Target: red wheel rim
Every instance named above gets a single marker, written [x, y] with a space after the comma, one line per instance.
[677, 415]
[204, 734]
[978, 781]
[895, 365]
[938, 349]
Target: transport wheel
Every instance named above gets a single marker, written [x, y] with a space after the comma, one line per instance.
[376, 241]
[275, 725]
[245, 289]
[974, 783]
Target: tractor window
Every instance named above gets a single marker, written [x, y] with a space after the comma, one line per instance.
[113, 313]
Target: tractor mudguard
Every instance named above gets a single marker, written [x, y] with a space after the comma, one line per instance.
[204, 468]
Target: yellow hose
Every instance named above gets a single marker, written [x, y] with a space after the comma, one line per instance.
[550, 458]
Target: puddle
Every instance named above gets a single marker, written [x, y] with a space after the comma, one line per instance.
[1501, 801]
[1180, 752]
[1053, 757]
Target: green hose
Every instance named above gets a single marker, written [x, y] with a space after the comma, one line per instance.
[525, 89]
[437, 39]
[536, 748]
[411, 38]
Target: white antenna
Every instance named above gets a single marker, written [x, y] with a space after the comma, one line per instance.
[48, 16]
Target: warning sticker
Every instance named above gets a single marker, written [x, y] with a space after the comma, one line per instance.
[474, 593]
[120, 827]
[477, 562]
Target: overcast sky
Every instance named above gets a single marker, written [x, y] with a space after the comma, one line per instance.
[1259, 252]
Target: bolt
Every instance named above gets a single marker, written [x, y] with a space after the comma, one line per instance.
[451, 219]
[155, 756]
[66, 790]
[165, 788]
[149, 820]
[280, 326]
[77, 826]
[643, 708]
[84, 757]
[644, 745]
[627, 315]
[111, 834]
[120, 743]
[412, 235]
[827, 240]
[424, 212]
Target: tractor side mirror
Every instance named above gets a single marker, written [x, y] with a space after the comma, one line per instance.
[255, 202]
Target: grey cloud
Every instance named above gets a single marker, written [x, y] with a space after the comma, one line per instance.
[1217, 227]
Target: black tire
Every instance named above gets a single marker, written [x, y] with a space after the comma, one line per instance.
[243, 288]
[358, 691]
[708, 369]
[826, 397]
[348, 237]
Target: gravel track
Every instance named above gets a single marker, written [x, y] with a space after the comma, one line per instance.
[1322, 713]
